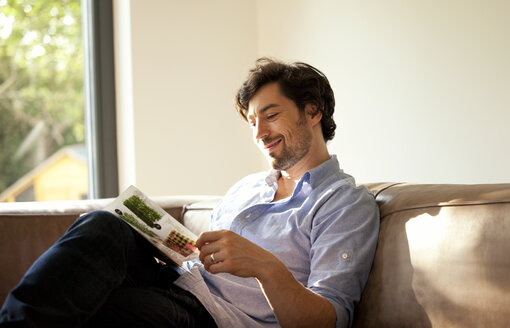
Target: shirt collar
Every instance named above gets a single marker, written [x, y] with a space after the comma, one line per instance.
[320, 173]
[313, 177]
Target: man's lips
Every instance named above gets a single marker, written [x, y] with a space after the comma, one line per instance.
[270, 146]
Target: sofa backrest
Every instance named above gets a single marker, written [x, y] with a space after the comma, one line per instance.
[442, 258]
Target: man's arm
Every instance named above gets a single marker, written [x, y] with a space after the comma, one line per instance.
[293, 304]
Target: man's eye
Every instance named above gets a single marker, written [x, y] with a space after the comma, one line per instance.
[272, 116]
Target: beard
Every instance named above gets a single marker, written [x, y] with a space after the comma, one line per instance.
[292, 154]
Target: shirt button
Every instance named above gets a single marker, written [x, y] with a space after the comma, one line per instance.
[345, 256]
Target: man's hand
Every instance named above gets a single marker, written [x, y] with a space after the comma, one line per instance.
[235, 255]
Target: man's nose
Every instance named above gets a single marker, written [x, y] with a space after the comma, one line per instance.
[260, 130]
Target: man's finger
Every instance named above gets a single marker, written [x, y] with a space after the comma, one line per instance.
[208, 237]
[207, 250]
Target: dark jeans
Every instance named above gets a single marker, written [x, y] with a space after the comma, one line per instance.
[101, 273]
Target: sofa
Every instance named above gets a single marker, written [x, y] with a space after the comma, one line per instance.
[442, 259]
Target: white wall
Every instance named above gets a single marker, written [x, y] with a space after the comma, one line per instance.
[187, 59]
[421, 87]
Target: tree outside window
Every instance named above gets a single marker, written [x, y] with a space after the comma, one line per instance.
[41, 99]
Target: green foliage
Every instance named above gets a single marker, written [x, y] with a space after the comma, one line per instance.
[134, 222]
[41, 79]
[142, 210]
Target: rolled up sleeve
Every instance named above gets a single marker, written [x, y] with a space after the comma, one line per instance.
[343, 243]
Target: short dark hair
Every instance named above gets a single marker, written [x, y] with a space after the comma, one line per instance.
[300, 82]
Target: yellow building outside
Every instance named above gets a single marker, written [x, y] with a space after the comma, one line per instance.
[63, 176]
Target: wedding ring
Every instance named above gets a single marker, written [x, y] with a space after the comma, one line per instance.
[212, 257]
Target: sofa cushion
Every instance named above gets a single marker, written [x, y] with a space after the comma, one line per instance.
[196, 216]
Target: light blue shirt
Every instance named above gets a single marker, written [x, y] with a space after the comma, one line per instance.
[325, 233]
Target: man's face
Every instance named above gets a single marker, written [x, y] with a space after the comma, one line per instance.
[279, 129]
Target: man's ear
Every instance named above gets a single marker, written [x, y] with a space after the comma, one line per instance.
[313, 113]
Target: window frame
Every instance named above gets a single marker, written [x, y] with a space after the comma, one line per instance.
[100, 102]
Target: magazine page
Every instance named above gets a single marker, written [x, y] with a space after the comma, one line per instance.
[156, 225]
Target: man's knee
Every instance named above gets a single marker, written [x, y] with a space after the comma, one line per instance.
[98, 218]
[100, 222]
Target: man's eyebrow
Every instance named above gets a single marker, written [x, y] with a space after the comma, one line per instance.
[265, 109]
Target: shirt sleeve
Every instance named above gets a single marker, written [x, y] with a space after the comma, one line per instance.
[343, 239]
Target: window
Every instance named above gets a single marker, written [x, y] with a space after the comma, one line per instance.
[54, 57]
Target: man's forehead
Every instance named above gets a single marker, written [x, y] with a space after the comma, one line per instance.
[268, 96]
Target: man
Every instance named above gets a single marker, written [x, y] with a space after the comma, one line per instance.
[292, 247]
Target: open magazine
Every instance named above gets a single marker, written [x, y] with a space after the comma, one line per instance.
[156, 225]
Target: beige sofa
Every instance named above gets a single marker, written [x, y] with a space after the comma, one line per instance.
[443, 257]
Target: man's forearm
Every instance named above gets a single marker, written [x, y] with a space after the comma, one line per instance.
[293, 304]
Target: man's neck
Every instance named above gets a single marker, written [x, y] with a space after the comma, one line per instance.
[317, 155]
[285, 188]
[289, 178]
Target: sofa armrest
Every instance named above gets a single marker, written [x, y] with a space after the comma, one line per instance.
[196, 216]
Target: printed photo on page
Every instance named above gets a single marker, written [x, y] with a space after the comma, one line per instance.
[156, 225]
